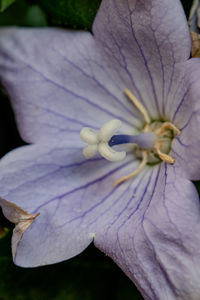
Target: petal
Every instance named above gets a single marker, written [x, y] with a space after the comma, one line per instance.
[183, 109]
[143, 40]
[157, 244]
[70, 193]
[58, 83]
[21, 218]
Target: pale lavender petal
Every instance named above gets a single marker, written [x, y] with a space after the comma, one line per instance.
[184, 111]
[157, 244]
[144, 40]
[58, 83]
[149, 225]
[74, 197]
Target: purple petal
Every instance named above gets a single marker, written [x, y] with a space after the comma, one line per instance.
[148, 225]
[74, 197]
[143, 41]
[184, 111]
[157, 244]
[58, 83]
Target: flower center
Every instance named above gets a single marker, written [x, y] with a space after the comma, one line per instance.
[152, 145]
[165, 133]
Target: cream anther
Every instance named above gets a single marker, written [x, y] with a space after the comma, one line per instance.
[139, 105]
[168, 125]
[98, 142]
[165, 157]
[137, 171]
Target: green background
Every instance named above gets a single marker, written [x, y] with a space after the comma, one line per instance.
[91, 275]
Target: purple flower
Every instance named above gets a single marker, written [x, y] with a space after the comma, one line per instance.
[62, 81]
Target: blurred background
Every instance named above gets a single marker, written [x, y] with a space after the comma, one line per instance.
[90, 275]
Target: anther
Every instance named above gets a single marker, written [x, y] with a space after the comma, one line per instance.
[168, 125]
[139, 105]
[165, 157]
[158, 145]
[153, 141]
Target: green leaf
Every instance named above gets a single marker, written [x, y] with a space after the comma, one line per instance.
[24, 14]
[71, 13]
[35, 17]
[4, 4]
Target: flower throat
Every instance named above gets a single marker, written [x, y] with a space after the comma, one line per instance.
[153, 144]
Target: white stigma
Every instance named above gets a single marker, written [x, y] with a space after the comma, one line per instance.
[98, 142]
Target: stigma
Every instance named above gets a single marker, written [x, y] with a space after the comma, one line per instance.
[105, 139]
[151, 145]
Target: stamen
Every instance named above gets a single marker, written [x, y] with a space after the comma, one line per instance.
[138, 170]
[139, 105]
[165, 157]
[168, 125]
[158, 145]
[153, 141]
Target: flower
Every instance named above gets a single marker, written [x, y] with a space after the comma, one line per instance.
[62, 81]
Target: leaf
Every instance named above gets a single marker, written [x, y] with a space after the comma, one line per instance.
[71, 13]
[4, 4]
[30, 15]
[35, 17]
